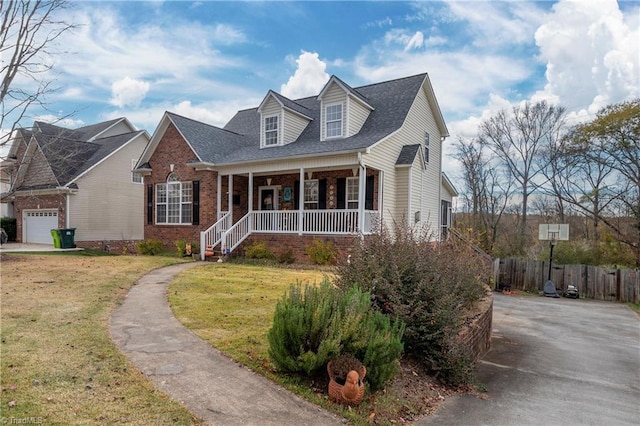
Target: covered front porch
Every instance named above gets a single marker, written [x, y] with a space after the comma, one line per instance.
[328, 201]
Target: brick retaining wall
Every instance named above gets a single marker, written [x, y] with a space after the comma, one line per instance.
[476, 333]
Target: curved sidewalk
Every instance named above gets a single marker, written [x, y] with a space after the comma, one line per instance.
[179, 363]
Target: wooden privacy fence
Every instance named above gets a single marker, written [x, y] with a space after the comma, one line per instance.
[620, 285]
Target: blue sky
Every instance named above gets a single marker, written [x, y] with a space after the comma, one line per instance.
[208, 59]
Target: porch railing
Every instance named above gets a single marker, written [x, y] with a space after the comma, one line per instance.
[213, 235]
[328, 222]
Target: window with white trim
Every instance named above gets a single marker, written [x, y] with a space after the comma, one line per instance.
[426, 147]
[271, 130]
[351, 191]
[135, 177]
[311, 194]
[174, 201]
[333, 119]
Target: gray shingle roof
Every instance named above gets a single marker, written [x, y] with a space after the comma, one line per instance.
[68, 152]
[407, 154]
[239, 141]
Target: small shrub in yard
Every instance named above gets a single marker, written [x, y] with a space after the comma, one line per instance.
[149, 247]
[429, 286]
[287, 257]
[184, 248]
[9, 224]
[321, 252]
[312, 327]
[258, 250]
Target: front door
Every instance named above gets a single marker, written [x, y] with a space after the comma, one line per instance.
[268, 198]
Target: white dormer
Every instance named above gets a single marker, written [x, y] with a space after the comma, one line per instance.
[281, 120]
[343, 111]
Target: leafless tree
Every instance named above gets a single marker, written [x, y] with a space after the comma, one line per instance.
[517, 138]
[487, 191]
[28, 34]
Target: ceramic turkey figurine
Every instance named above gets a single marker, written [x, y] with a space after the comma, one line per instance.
[351, 388]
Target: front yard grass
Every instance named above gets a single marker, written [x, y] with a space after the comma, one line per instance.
[58, 362]
[231, 306]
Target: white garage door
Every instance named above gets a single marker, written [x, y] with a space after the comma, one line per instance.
[38, 226]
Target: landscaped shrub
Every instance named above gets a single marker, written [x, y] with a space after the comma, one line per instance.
[149, 247]
[287, 257]
[430, 286]
[258, 250]
[181, 247]
[10, 226]
[321, 252]
[312, 327]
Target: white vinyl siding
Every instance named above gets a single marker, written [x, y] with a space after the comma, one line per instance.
[383, 155]
[358, 114]
[113, 211]
[292, 126]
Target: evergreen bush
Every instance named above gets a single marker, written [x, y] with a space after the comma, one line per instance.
[430, 286]
[9, 224]
[321, 252]
[149, 247]
[312, 327]
[258, 250]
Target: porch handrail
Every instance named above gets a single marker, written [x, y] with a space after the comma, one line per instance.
[213, 235]
[236, 234]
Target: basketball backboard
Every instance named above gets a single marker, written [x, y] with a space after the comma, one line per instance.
[553, 232]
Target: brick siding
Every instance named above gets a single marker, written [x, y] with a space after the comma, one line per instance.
[38, 202]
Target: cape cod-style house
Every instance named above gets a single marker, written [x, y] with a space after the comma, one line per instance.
[77, 178]
[332, 166]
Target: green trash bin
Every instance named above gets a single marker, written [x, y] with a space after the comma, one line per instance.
[67, 237]
[55, 234]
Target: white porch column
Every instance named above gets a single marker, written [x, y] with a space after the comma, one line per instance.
[250, 201]
[301, 202]
[380, 196]
[230, 198]
[218, 198]
[362, 189]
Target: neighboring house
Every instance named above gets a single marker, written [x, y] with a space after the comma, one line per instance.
[77, 178]
[332, 166]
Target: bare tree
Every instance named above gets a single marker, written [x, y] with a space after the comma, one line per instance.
[610, 178]
[516, 139]
[487, 192]
[28, 34]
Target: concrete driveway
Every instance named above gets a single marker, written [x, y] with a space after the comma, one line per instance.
[554, 362]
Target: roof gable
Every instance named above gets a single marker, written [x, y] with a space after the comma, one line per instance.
[346, 88]
[285, 103]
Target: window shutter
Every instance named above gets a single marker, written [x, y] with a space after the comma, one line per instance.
[150, 204]
[322, 194]
[341, 193]
[195, 219]
[296, 195]
[368, 200]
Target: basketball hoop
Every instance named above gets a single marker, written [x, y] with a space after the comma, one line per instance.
[553, 237]
[552, 233]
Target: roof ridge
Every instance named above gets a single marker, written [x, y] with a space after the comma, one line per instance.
[203, 123]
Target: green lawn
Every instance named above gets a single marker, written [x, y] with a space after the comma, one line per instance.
[58, 362]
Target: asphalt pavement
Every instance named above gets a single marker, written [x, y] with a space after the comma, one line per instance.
[554, 362]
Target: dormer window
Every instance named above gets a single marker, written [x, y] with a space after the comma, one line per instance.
[271, 130]
[333, 114]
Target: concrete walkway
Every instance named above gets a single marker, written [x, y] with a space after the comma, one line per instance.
[179, 363]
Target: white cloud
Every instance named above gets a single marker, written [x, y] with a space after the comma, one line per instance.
[591, 55]
[415, 42]
[309, 78]
[128, 92]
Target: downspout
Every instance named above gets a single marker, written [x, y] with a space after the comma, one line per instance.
[442, 139]
[362, 183]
